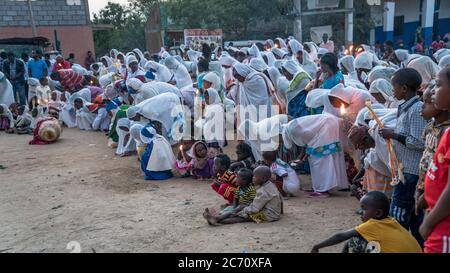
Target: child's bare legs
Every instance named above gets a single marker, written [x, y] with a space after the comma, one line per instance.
[234, 220]
[226, 218]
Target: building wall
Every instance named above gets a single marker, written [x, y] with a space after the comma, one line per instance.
[70, 18]
[74, 39]
[410, 9]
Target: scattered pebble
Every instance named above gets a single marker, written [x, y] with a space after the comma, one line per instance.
[58, 207]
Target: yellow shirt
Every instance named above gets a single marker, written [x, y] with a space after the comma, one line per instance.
[388, 236]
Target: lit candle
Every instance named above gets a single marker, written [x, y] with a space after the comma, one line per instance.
[343, 110]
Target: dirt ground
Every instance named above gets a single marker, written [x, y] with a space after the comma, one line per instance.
[76, 190]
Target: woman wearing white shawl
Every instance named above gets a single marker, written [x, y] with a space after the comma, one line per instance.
[280, 54]
[157, 160]
[227, 63]
[142, 91]
[84, 117]
[382, 90]
[254, 91]
[162, 73]
[269, 44]
[444, 61]
[426, 68]
[6, 91]
[346, 64]
[68, 112]
[280, 43]
[166, 109]
[108, 66]
[404, 58]
[320, 135]
[306, 63]
[181, 75]
[363, 64]
[126, 144]
[142, 60]
[280, 83]
[296, 94]
[441, 53]
[253, 52]
[212, 80]
[264, 135]
[270, 58]
[212, 125]
[134, 71]
[381, 72]
[311, 48]
[113, 54]
[350, 98]
[294, 47]
[259, 65]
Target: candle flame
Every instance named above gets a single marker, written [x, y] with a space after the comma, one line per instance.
[181, 147]
[343, 110]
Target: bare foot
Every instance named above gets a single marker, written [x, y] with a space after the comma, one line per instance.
[211, 219]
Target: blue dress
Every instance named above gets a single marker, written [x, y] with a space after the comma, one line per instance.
[150, 175]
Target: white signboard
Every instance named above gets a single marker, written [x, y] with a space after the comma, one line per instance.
[317, 33]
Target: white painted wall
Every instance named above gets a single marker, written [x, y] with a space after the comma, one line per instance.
[408, 8]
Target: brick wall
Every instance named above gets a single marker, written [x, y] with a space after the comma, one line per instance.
[46, 13]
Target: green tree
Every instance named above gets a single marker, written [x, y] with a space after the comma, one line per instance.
[127, 32]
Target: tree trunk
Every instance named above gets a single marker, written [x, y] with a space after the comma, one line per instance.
[153, 36]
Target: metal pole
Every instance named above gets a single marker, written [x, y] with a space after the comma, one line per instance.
[33, 24]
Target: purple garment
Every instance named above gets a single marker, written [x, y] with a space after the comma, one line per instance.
[95, 91]
[207, 171]
[4, 123]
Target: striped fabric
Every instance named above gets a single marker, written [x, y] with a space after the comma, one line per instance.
[245, 195]
[375, 181]
[70, 79]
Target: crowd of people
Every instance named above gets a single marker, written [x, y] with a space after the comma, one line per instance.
[376, 126]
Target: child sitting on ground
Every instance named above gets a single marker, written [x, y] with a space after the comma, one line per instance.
[378, 233]
[225, 182]
[6, 119]
[243, 197]
[245, 157]
[283, 175]
[55, 105]
[267, 205]
[23, 122]
[182, 166]
[202, 166]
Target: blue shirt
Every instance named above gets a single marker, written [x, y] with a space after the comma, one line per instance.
[37, 68]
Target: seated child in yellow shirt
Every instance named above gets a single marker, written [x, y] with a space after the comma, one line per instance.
[378, 233]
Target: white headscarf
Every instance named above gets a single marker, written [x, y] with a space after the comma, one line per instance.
[312, 131]
[356, 98]
[347, 62]
[441, 53]
[308, 65]
[181, 74]
[6, 91]
[313, 47]
[381, 72]
[280, 53]
[258, 64]
[162, 73]
[161, 158]
[131, 59]
[214, 79]
[404, 57]
[253, 52]
[364, 61]
[295, 46]
[141, 56]
[282, 43]
[165, 108]
[256, 89]
[444, 61]
[270, 58]
[383, 87]
[426, 68]
[264, 135]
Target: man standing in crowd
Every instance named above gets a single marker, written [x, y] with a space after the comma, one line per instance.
[327, 44]
[89, 60]
[14, 70]
[37, 68]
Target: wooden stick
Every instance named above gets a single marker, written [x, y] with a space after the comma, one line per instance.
[393, 161]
